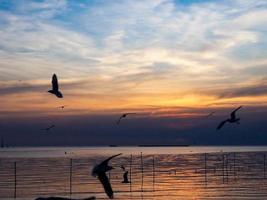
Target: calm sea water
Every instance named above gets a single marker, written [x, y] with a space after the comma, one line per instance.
[156, 173]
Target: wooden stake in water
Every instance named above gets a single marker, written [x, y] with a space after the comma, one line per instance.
[223, 167]
[264, 165]
[142, 172]
[70, 177]
[205, 158]
[153, 163]
[15, 180]
[226, 163]
[131, 162]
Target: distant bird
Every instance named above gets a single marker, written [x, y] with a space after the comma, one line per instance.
[123, 116]
[48, 128]
[125, 175]
[209, 115]
[55, 87]
[232, 119]
[100, 171]
[61, 198]
[62, 107]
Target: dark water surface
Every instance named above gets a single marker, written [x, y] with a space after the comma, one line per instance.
[158, 173]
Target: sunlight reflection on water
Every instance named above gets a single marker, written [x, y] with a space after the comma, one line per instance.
[178, 172]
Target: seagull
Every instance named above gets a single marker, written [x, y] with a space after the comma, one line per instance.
[123, 116]
[100, 171]
[62, 107]
[209, 115]
[55, 90]
[48, 128]
[125, 175]
[232, 119]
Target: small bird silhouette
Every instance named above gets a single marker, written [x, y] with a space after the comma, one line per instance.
[55, 88]
[100, 171]
[62, 107]
[232, 119]
[210, 114]
[123, 116]
[49, 128]
[125, 175]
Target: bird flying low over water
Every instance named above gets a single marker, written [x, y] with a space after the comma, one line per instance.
[48, 128]
[100, 170]
[232, 119]
[62, 107]
[55, 87]
[123, 116]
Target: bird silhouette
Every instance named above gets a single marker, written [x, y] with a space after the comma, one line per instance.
[125, 175]
[48, 128]
[123, 116]
[232, 119]
[100, 170]
[55, 87]
[210, 114]
[62, 107]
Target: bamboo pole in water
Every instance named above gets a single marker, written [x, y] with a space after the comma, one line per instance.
[70, 177]
[234, 167]
[153, 173]
[264, 165]
[131, 162]
[223, 167]
[142, 172]
[226, 166]
[205, 158]
[15, 180]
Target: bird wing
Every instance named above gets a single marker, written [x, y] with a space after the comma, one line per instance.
[105, 162]
[233, 113]
[119, 119]
[54, 82]
[129, 113]
[106, 184]
[221, 124]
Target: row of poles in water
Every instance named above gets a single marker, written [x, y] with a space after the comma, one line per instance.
[225, 171]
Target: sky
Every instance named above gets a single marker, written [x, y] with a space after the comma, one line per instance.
[170, 61]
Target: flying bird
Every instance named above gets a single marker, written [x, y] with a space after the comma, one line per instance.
[48, 128]
[55, 87]
[100, 170]
[209, 115]
[62, 107]
[123, 116]
[232, 119]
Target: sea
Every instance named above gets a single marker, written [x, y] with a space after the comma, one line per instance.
[156, 173]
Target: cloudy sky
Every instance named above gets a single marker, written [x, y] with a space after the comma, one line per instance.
[171, 61]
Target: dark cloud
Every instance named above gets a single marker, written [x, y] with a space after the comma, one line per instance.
[255, 90]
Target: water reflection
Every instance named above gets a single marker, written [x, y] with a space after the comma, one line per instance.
[152, 176]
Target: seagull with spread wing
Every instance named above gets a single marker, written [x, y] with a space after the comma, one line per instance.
[123, 116]
[100, 170]
[55, 88]
[232, 119]
[48, 128]
[210, 114]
